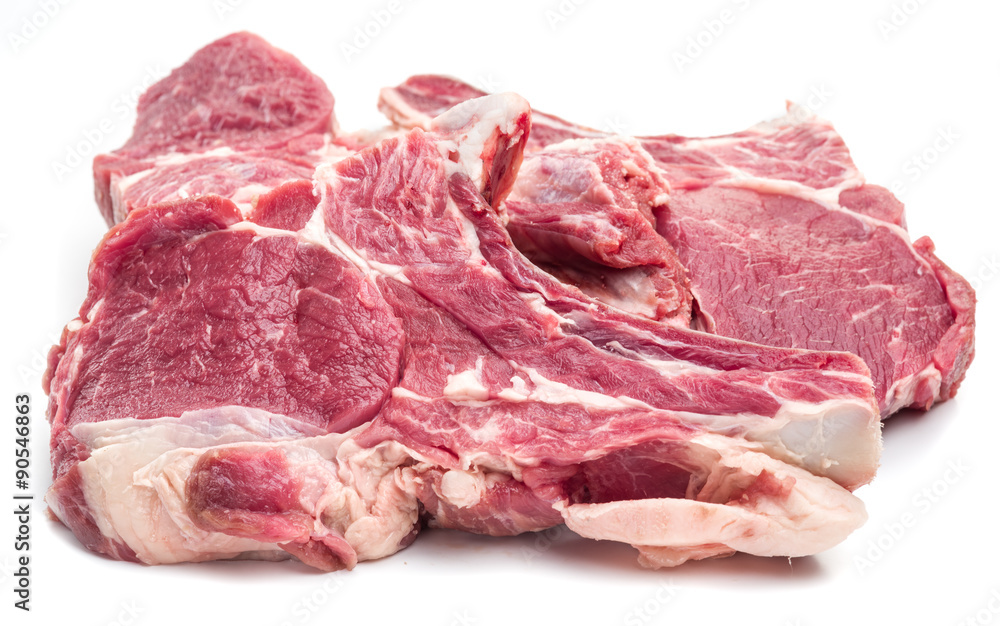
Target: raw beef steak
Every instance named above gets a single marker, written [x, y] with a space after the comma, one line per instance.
[320, 375]
[237, 119]
[815, 258]
[783, 244]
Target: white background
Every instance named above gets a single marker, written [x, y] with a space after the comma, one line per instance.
[610, 65]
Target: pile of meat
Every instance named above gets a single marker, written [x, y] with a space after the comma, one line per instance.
[302, 341]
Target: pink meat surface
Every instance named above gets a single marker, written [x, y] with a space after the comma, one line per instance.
[239, 117]
[783, 244]
[800, 252]
[583, 211]
[360, 349]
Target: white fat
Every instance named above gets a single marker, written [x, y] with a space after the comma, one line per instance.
[144, 506]
[119, 187]
[828, 197]
[901, 393]
[461, 488]
[178, 158]
[330, 153]
[517, 392]
[489, 431]
[140, 466]
[246, 196]
[467, 385]
[471, 238]
[315, 229]
[134, 483]
[75, 359]
[839, 439]
[707, 143]
[553, 392]
[400, 112]
[207, 427]
[631, 290]
[261, 231]
[406, 394]
[389, 513]
[537, 303]
[667, 368]
[470, 125]
[95, 309]
[815, 515]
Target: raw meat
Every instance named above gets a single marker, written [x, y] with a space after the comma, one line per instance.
[190, 307]
[213, 398]
[583, 211]
[238, 118]
[783, 244]
[555, 405]
[817, 258]
[422, 98]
